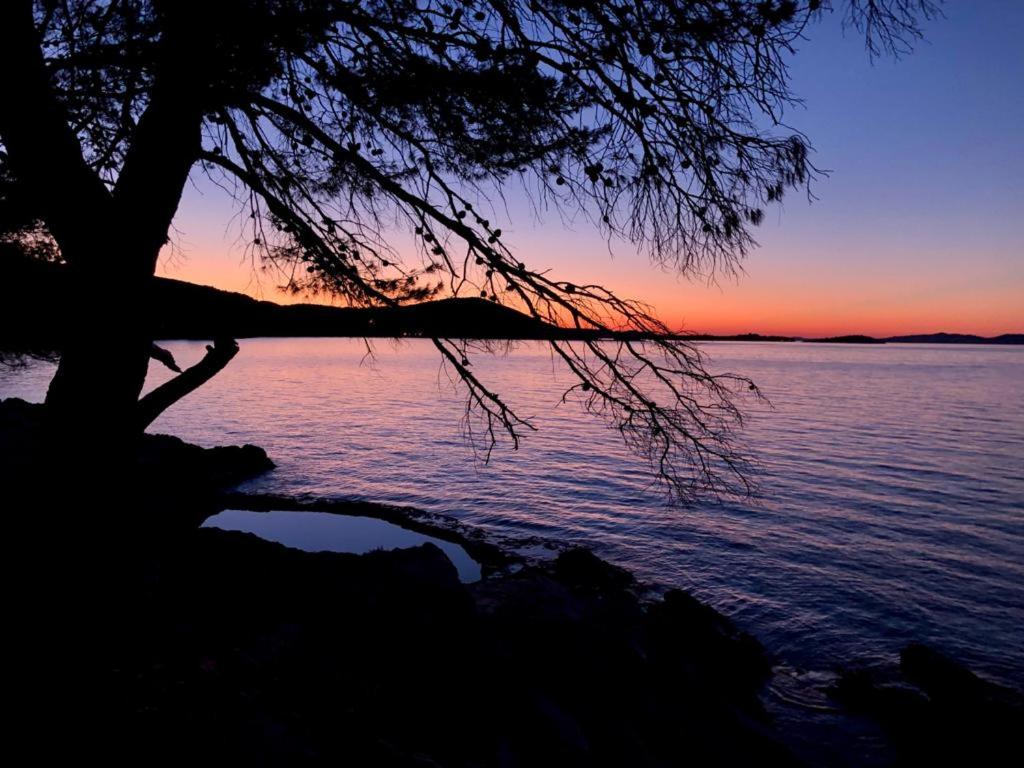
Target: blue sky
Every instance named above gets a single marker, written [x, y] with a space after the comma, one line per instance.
[917, 228]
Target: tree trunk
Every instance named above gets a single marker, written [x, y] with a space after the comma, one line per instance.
[94, 399]
[110, 238]
[93, 396]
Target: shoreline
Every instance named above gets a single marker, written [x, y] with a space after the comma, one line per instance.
[242, 649]
[572, 618]
[880, 715]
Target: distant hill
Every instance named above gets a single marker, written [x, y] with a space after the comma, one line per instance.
[34, 307]
[926, 338]
[240, 316]
[34, 311]
[212, 312]
[958, 338]
[735, 337]
[856, 339]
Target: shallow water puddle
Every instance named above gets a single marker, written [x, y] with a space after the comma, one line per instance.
[324, 532]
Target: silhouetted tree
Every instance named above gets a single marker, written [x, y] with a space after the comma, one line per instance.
[338, 124]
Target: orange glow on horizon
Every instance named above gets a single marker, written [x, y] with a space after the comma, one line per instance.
[913, 229]
[806, 304]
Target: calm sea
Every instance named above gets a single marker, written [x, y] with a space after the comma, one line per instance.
[891, 502]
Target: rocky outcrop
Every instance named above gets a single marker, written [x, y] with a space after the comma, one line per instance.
[147, 640]
[152, 643]
[160, 643]
[165, 464]
[596, 676]
[228, 648]
[214, 468]
[935, 710]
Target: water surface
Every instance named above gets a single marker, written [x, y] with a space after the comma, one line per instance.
[892, 488]
[325, 532]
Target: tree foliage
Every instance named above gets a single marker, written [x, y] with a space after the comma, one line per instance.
[339, 125]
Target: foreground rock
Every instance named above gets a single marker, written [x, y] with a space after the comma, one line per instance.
[231, 648]
[163, 483]
[159, 642]
[935, 710]
[168, 462]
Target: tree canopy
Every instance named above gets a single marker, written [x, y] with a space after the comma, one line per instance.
[338, 125]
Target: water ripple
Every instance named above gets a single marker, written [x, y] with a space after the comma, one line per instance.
[892, 495]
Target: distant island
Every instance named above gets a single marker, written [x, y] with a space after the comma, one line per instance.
[958, 338]
[924, 338]
[33, 314]
[854, 339]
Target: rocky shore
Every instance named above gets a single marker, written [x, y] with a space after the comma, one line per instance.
[174, 642]
[934, 710]
[171, 642]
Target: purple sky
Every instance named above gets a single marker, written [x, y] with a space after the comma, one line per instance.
[918, 227]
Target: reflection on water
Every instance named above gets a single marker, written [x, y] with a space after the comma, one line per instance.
[892, 490]
[324, 532]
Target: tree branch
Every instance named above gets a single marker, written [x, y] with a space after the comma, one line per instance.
[163, 397]
[163, 148]
[164, 356]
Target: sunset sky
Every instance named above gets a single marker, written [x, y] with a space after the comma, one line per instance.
[918, 227]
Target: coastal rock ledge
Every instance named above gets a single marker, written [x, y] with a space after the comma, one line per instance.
[144, 638]
[243, 651]
[935, 710]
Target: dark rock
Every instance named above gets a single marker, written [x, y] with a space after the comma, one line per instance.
[218, 646]
[935, 710]
[161, 465]
[941, 677]
[20, 434]
[166, 458]
[697, 635]
[896, 707]
[582, 569]
[599, 678]
[241, 650]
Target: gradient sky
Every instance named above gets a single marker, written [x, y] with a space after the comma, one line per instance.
[918, 228]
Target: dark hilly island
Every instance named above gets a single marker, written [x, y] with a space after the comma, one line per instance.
[33, 313]
[958, 338]
[37, 303]
[854, 339]
[923, 338]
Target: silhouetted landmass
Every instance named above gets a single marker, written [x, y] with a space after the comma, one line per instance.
[33, 314]
[924, 338]
[456, 318]
[957, 338]
[36, 313]
[853, 339]
[736, 337]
